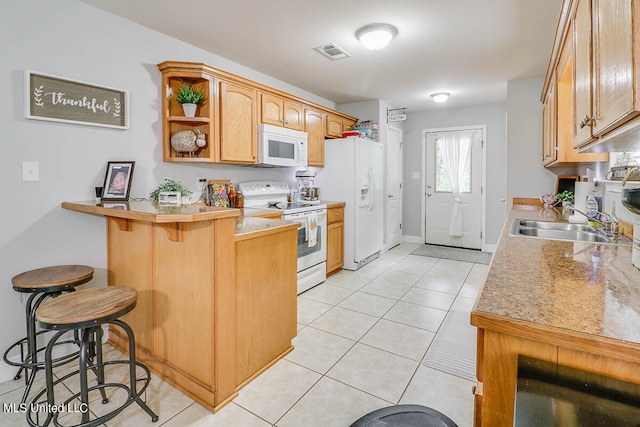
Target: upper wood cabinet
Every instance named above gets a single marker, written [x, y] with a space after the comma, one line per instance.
[558, 113]
[615, 63]
[173, 119]
[580, 33]
[238, 123]
[549, 126]
[336, 125]
[280, 112]
[606, 74]
[315, 128]
[230, 114]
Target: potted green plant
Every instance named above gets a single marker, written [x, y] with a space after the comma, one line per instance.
[566, 196]
[170, 185]
[190, 98]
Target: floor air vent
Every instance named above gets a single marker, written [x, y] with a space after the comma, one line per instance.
[332, 51]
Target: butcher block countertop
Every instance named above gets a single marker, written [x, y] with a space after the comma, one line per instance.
[585, 292]
[248, 221]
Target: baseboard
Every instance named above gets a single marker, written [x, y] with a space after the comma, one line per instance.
[490, 248]
[412, 239]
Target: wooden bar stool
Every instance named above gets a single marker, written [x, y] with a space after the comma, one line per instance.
[42, 283]
[87, 310]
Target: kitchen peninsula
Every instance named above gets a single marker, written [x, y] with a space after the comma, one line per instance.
[570, 303]
[216, 291]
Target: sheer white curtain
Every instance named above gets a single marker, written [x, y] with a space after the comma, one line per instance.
[456, 156]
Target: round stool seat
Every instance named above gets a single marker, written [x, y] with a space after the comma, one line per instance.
[86, 307]
[406, 416]
[52, 279]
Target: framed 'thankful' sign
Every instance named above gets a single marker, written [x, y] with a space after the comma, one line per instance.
[59, 99]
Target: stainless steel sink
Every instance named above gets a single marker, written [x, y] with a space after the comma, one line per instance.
[549, 225]
[562, 231]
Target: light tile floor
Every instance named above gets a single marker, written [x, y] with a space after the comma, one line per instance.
[361, 338]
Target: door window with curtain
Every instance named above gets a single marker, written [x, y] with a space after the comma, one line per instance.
[453, 172]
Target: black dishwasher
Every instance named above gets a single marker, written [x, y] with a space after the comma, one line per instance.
[551, 395]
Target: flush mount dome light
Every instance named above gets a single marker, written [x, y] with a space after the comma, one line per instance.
[376, 36]
[440, 96]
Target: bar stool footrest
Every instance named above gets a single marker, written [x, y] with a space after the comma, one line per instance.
[25, 361]
[53, 417]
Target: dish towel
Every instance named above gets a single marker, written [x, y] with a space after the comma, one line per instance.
[312, 230]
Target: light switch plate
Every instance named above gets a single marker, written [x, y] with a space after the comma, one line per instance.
[30, 171]
[415, 175]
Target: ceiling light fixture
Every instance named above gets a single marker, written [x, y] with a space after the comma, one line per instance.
[376, 36]
[440, 96]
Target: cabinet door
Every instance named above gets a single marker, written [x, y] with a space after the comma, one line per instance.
[271, 109]
[314, 126]
[549, 125]
[613, 67]
[335, 246]
[292, 115]
[582, 73]
[280, 112]
[334, 126]
[347, 125]
[238, 123]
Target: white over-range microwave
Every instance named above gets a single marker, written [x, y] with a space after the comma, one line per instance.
[278, 146]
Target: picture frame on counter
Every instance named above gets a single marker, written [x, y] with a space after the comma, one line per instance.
[117, 181]
[60, 99]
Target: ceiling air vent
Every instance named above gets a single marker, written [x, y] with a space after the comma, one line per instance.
[332, 51]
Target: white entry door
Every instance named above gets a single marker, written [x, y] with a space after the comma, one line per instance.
[394, 187]
[444, 149]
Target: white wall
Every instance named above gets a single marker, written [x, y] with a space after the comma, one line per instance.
[526, 177]
[491, 115]
[74, 40]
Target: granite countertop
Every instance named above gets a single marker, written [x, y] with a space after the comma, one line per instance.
[152, 211]
[586, 289]
[333, 204]
[247, 224]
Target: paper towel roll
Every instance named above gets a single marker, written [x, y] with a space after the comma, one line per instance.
[581, 192]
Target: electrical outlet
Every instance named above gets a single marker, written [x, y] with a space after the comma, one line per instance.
[200, 182]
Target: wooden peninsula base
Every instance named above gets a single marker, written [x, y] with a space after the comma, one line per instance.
[216, 292]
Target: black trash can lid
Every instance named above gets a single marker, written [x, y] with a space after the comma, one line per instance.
[405, 416]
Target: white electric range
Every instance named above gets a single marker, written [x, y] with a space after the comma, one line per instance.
[312, 233]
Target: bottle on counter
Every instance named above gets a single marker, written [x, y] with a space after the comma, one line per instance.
[592, 209]
[239, 200]
[232, 196]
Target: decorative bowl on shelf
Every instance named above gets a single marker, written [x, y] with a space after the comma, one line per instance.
[184, 141]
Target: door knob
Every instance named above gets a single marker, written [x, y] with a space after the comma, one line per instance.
[428, 194]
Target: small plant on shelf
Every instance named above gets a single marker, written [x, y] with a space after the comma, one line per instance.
[188, 95]
[170, 185]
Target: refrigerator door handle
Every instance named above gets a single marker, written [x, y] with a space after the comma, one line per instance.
[371, 189]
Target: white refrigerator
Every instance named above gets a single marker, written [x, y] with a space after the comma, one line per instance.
[353, 173]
